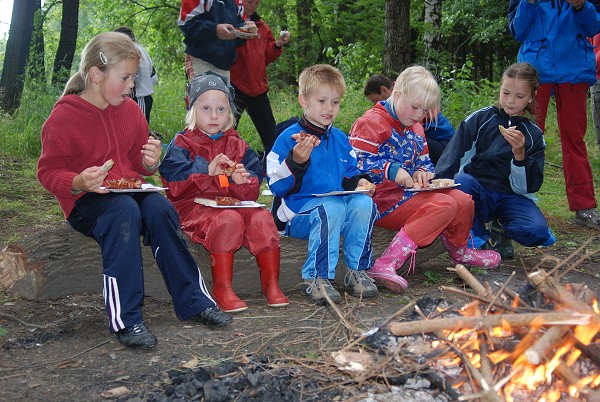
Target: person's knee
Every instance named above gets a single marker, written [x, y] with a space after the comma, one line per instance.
[529, 235]
[465, 180]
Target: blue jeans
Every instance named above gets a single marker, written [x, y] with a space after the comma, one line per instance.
[520, 217]
[323, 220]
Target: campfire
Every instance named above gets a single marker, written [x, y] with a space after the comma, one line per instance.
[537, 344]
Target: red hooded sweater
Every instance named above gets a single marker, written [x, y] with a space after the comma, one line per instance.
[78, 135]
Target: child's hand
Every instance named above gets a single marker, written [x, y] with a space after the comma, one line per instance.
[284, 38]
[366, 184]
[422, 178]
[151, 151]
[516, 139]
[224, 31]
[240, 174]
[220, 165]
[403, 178]
[90, 180]
[301, 152]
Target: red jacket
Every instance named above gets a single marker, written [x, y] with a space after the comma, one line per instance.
[184, 169]
[249, 72]
[78, 135]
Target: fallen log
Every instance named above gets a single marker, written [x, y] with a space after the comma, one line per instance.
[457, 323]
[60, 261]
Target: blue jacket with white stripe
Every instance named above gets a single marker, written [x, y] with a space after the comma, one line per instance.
[479, 149]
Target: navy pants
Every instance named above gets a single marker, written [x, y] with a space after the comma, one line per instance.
[116, 221]
[520, 217]
[259, 110]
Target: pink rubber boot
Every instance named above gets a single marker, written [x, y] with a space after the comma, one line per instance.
[486, 259]
[383, 272]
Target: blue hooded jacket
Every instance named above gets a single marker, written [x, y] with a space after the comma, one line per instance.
[554, 38]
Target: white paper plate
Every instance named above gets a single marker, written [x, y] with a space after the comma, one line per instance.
[341, 193]
[213, 204]
[430, 188]
[146, 188]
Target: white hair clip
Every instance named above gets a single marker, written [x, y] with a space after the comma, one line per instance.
[103, 58]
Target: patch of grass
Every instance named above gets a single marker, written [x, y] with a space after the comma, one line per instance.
[24, 205]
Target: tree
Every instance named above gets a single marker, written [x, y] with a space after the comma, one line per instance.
[67, 43]
[36, 67]
[304, 46]
[433, 30]
[396, 38]
[17, 53]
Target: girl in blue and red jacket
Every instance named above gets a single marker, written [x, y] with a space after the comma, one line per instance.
[390, 144]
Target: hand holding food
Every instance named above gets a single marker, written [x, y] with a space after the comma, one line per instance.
[240, 175]
[422, 178]
[404, 179]
[90, 180]
[221, 165]
[364, 184]
[516, 139]
[151, 151]
[284, 38]
[305, 143]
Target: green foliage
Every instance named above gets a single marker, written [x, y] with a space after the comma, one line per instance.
[356, 61]
[20, 133]
[462, 95]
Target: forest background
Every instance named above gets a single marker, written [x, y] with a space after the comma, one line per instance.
[465, 44]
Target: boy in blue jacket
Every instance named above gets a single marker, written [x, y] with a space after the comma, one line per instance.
[310, 159]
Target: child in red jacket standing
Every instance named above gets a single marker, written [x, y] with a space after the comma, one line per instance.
[249, 76]
[209, 160]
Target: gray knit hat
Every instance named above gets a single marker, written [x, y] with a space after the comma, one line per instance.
[206, 82]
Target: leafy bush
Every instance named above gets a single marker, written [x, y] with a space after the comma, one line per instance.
[462, 95]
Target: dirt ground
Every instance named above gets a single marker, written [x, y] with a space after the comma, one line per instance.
[62, 349]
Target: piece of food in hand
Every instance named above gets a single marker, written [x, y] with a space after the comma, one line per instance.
[229, 169]
[504, 129]
[124, 184]
[107, 165]
[248, 29]
[299, 137]
[369, 186]
[442, 182]
[228, 201]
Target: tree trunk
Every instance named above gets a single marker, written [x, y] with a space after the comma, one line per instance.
[37, 69]
[67, 43]
[60, 261]
[305, 47]
[17, 53]
[433, 29]
[396, 40]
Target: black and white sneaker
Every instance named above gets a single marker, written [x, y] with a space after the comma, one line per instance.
[136, 336]
[212, 317]
[588, 217]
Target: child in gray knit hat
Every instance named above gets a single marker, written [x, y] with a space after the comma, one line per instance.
[213, 179]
